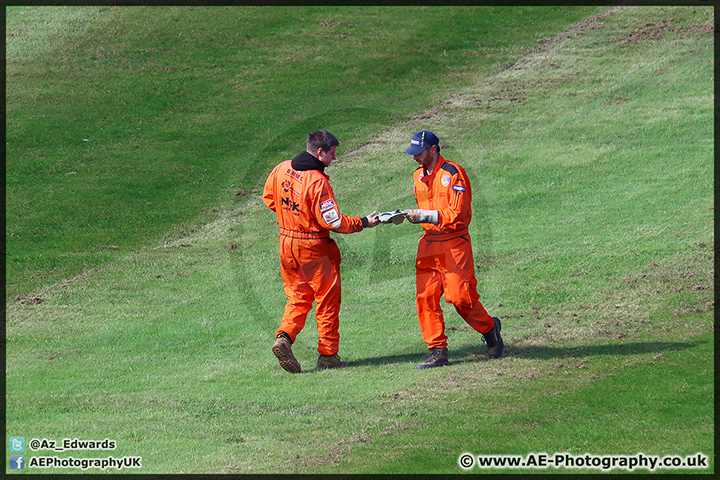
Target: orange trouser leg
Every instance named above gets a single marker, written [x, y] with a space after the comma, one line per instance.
[462, 293]
[327, 311]
[430, 314]
[298, 292]
[310, 270]
[461, 285]
[429, 283]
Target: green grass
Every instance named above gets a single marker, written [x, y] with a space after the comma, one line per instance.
[127, 124]
[591, 163]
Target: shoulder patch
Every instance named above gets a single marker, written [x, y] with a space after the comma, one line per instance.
[331, 216]
[327, 204]
[448, 167]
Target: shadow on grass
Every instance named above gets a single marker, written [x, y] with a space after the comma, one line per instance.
[390, 359]
[635, 348]
[470, 353]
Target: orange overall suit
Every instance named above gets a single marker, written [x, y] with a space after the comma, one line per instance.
[299, 192]
[445, 259]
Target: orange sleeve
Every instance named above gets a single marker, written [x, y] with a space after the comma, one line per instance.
[458, 202]
[326, 211]
[269, 191]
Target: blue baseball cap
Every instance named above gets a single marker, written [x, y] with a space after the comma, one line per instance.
[421, 141]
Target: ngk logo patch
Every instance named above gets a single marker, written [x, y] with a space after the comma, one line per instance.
[327, 205]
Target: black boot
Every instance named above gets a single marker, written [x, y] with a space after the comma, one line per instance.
[494, 341]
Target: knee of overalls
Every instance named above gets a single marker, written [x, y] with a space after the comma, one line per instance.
[461, 292]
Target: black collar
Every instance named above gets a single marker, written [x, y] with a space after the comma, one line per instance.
[305, 161]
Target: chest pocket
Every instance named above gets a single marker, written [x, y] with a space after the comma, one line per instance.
[422, 197]
[443, 190]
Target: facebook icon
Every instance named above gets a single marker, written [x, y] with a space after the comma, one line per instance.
[17, 462]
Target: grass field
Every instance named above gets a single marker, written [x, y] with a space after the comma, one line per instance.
[588, 137]
[193, 105]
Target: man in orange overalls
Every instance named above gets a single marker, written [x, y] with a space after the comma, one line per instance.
[299, 192]
[445, 260]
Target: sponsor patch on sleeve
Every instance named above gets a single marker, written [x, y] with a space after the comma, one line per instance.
[331, 216]
[458, 188]
[327, 204]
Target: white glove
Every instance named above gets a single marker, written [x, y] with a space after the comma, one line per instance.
[422, 216]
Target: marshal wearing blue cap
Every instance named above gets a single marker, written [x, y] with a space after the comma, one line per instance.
[421, 141]
[444, 264]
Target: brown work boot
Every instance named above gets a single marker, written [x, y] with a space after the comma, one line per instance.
[438, 357]
[494, 341]
[284, 354]
[330, 361]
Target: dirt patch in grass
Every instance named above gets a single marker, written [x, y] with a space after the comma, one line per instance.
[592, 23]
[32, 300]
[657, 30]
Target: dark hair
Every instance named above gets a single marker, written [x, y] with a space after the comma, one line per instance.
[321, 139]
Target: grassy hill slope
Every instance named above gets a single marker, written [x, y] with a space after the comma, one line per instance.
[591, 160]
[128, 125]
